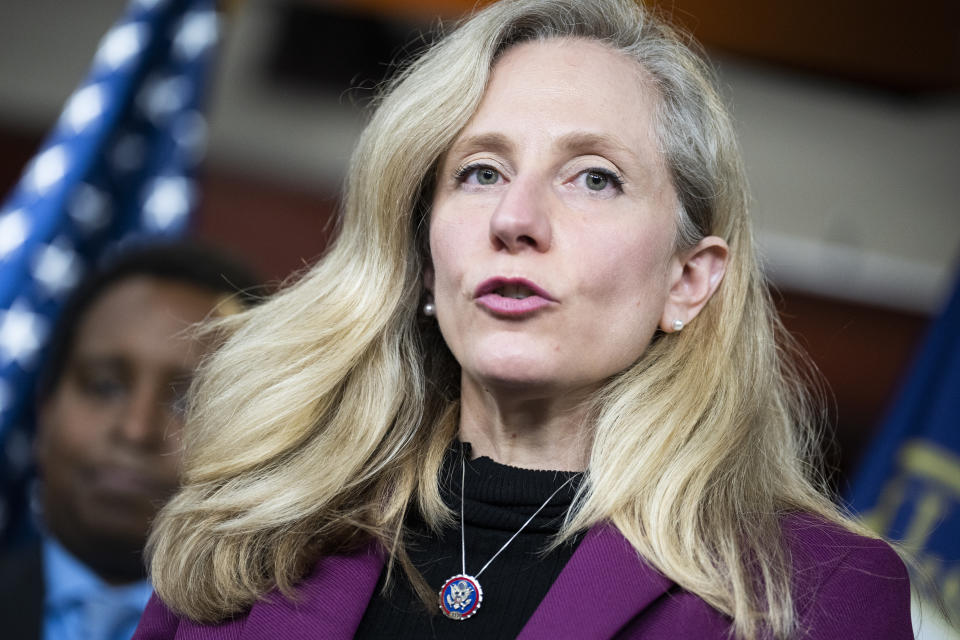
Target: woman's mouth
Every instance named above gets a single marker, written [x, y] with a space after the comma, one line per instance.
[512, 297]
[515, 291]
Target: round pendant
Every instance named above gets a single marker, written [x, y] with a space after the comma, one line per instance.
[460, 597]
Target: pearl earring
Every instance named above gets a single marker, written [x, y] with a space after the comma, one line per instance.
[429, 309]
[677, 325]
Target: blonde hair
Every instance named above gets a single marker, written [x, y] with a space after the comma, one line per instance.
[325, 416]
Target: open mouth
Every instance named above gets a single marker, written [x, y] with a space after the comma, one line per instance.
[512, 297]
[514, 291]
[512, 288]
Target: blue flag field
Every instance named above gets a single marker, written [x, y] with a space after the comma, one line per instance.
[115, 168]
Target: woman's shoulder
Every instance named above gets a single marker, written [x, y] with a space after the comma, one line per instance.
[158, 622]
[821, 547]
[845, 584]
[328, 603]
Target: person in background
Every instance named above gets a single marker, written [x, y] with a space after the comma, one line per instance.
[110, 407]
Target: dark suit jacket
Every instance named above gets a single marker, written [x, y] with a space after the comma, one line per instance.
[846, 587]
[22, 592]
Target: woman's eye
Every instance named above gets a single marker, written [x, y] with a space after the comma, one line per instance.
[601, 180]
[486, 175]
[481, 175]
[596, 181]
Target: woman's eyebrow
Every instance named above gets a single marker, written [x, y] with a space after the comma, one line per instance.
[574, 142]
[585, 141]
[495, 142]
[640, 167]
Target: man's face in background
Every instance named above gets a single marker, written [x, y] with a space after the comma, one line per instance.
[109, 443]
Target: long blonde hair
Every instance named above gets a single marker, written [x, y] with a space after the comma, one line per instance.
[324, 418]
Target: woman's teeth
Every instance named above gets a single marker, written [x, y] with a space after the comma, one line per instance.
[514, 291]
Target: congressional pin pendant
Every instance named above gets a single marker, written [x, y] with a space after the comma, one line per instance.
[460, 597]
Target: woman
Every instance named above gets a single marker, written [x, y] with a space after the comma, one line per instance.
[534, 381]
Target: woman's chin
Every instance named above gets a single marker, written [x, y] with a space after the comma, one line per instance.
[525, 380]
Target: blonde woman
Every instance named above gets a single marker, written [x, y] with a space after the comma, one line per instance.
[533, 390]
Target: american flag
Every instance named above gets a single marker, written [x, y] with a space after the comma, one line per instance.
[115, 168]
[908, 486]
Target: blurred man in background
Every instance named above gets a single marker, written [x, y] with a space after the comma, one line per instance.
[110, 411]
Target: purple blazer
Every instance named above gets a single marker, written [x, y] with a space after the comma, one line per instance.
[847, 587]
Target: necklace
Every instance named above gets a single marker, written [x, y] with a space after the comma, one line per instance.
[461, 595]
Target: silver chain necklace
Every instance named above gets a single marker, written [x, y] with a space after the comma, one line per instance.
[461, 595]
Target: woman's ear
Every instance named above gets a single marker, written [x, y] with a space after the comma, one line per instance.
[697, 273]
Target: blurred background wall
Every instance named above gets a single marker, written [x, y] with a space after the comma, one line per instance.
[849, 115]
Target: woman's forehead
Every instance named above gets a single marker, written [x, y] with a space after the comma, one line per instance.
[570, 72]
[568, 94]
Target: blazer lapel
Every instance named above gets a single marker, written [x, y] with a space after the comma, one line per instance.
[605, 582]
[329, 603]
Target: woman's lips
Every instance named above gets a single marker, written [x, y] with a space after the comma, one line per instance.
[512, 297]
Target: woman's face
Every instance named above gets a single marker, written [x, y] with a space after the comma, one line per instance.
[552, 228]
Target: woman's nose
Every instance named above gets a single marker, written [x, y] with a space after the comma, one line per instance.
[521, 219]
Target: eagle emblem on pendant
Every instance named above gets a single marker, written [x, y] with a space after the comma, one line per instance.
[460, 597]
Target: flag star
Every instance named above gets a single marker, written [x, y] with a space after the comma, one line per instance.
[84, 107]
[163, 96]
[21, 334]
[168, 200]
[47, 169]
[121, 44]
[197, 32]
[56, 267]
[13, 231]
[89, 207]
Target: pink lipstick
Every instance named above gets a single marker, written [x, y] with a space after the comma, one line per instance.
[512, 297]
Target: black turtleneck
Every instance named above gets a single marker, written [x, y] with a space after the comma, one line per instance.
[498, 499]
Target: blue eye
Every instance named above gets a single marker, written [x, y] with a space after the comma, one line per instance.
[601, 179]
[478, 174]
[596, 181]
[486, 175]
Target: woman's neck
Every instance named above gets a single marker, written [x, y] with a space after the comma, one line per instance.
[530, 431]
